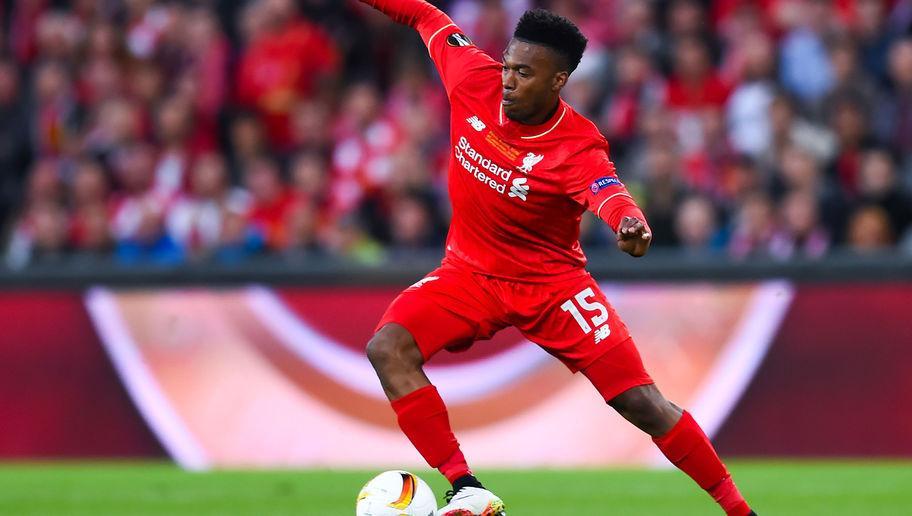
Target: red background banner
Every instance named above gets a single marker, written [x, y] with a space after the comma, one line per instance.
[835, 382]
[59, 395]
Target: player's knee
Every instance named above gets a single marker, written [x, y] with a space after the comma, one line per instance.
[380, 351]
[391, 349]
[645, 407]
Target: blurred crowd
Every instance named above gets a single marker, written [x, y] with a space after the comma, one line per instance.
[178, 131]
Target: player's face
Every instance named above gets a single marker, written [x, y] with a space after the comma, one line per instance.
[532, 80]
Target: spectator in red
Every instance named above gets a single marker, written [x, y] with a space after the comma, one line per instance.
[207, 52]
[89, 191]
[365, 141]
[284, 64]
[696, 95]
[271, 201]
[638, 88]
[694, 83]
[23, 25]
[849, 120]
[103, 73]
[200, 58]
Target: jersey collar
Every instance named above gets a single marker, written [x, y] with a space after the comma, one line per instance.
[533, 132]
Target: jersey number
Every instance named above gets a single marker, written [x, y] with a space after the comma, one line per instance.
[582, 299]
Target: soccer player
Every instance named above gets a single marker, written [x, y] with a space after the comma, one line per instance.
[523, 169]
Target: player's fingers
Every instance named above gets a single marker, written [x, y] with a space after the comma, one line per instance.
[636, 228]
[645, 234]
[629, 225]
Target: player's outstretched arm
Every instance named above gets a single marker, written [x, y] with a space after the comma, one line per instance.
[413, 13]
[454, 55]
[598, 188]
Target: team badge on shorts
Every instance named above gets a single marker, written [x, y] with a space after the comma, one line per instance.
[457, 39]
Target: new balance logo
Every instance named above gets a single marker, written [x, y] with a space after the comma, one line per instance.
[602, 333]
[422, 281]
[530, 161]
[519, 188]
[476, 124]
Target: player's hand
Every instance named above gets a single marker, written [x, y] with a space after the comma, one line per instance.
[634, 236]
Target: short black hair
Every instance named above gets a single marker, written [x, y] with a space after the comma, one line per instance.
[543, 27]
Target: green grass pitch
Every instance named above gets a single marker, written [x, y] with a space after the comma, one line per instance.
[775, 488]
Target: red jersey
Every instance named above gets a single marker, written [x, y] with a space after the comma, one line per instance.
[518, 191]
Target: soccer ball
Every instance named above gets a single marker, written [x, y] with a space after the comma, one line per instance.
[396, 493]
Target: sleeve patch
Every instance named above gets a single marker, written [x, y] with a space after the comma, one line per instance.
[604, 182]
[458, 39]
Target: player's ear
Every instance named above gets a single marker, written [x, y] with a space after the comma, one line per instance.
[560, 80]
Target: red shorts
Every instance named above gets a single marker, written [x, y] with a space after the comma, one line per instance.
[452, 307]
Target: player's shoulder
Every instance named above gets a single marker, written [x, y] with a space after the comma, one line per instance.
[481, 79]
[583, 133]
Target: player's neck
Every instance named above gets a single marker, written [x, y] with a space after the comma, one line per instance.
[542, 117]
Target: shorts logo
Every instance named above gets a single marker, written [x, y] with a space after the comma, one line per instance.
[519, 188]
[476, 123]
[458, 39]
[604, 182]
[602, 333]
[422, 281]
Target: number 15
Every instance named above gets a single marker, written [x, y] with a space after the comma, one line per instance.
[590, 306]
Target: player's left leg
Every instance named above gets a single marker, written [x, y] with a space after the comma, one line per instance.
[680, 439]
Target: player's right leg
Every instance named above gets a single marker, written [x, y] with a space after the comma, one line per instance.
[620, 377]
[446, 309]
[580, 327]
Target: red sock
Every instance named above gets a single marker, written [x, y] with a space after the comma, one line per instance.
[424, 419]
[688, 448]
